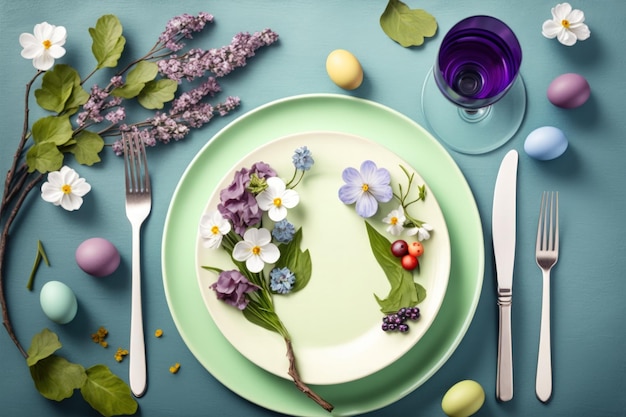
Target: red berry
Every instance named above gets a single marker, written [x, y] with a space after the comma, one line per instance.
[399, 248]
[409, 262]
[416, 249]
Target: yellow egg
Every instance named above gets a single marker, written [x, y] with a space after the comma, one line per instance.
[344, 69]
[463, 399]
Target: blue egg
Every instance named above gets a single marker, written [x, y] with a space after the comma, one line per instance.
[545, 143]
[58, 302]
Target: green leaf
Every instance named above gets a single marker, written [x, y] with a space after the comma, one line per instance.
[78, 97]
[264, 318]
[56, 87]
[136, 80]
[44, 157]
[404, 291]
[107, 393]
[298, 261]
[407, 26]
[156, 93]
[56, 378]
[44, 344]
[108, 42]
[55, 129]
[86, 148]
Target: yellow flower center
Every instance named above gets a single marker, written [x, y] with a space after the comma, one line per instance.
[394, 221]
[215, 230]
[565, 23]
[47, 44]
[278, 202]
[365, 188]
[67, 189]
[256, 250]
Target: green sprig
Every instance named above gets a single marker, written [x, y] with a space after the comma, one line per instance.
[41, 255]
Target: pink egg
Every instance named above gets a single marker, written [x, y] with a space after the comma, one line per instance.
[569, 91]
[97, 257]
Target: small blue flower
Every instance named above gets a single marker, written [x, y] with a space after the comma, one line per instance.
[283, 231]
[302, 159]
[366, 188]
[281, 280]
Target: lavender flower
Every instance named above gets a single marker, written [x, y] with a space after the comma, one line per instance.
[283, 231]
[232, 287]
[281, 280]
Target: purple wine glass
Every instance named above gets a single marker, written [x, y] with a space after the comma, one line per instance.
[479, 59]
[476, 69]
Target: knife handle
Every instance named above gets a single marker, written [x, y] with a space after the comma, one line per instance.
[504, 377]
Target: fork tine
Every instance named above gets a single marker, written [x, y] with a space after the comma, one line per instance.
[136, 165]
[556, 229]
[540, 227]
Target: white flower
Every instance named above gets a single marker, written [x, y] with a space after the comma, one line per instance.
[566, 25]
[256, 249]
[65, 188]
[276, 199]
[395, 219]
[44, 45]
[212, 228]
[423, 232]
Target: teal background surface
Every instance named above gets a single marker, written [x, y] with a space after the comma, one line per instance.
[588, 282]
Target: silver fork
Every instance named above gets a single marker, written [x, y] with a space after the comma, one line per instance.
[547, 253]
[138, 206]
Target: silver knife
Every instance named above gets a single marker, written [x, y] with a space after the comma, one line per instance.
[503, 233]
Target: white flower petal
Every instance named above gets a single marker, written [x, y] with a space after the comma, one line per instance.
[71, 202]
[290, 198]
[56, 51]
[566, 37]
[269, 253]
[575, 17]
[43, 62]
[242, 251]
[551, 29]
[265, 200]
[255, 264]
[561, 11]
[263, 237]
[581, 31]
[277, 213]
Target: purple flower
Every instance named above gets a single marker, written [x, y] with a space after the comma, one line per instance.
[366, 188]
[232, 287]
[183, 26]
[237, 204]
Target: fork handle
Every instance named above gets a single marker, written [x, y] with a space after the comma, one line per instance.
[137, 358]
[504, 376]
[543, 383]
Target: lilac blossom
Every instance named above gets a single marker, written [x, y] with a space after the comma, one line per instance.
[232, 287]
[183, 26]
[219, 61]
[100, 100]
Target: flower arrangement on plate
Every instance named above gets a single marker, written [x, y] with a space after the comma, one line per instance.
[366, 188]
[251, 224]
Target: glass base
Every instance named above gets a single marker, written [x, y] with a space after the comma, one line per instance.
[473, 131]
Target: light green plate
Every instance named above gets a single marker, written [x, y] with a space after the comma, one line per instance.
[332, 113]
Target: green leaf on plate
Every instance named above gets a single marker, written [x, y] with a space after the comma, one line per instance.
[156, 93]
[407, 26]
[297, 260]
[404, 291]
[263, 317]
[107, 393]
[108, 42]
[136, 80]
[44, 344]
[86, 148]
[56, 378]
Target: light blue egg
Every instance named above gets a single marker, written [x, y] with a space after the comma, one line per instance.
[546, 143]
[58, 302]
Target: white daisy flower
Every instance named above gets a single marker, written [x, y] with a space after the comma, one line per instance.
[566, 25]
[395, 219]
[44, 45]
[256, 249]
[65, 188]
[213, 227]
[276, 199]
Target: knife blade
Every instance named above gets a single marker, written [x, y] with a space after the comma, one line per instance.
[503, 225]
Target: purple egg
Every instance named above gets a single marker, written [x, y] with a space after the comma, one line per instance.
[569, 91]
[97, 257]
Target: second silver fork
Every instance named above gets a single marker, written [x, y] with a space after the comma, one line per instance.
[138, 206]
[547, 254]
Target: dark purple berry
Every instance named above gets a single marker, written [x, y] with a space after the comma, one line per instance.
[399, 248]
